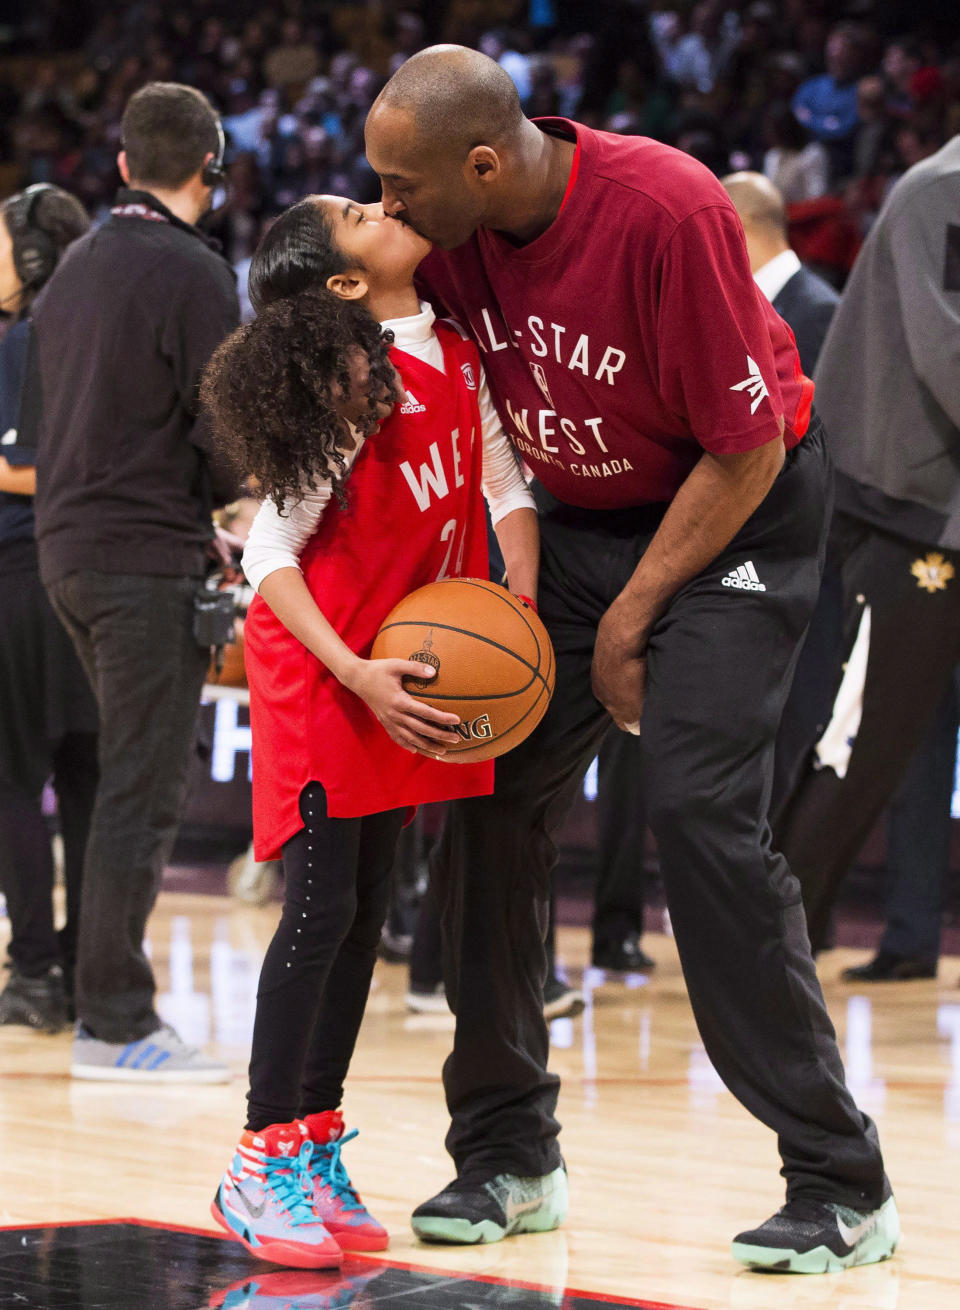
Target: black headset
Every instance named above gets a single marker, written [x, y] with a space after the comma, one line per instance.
[35, 252]
[215, 174]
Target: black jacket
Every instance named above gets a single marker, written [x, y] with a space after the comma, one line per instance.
[807, 303]
[126, 476]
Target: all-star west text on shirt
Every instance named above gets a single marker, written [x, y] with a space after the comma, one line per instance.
[630, 336]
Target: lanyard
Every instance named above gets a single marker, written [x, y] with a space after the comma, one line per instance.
[138, 211]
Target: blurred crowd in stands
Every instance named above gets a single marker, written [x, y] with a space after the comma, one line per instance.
[832, 99]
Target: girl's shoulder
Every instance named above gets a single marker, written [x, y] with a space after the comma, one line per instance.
[450, 326]
[455, 337]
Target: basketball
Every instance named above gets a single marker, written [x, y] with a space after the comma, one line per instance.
[494, 661]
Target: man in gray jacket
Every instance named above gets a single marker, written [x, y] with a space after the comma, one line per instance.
[888, 388]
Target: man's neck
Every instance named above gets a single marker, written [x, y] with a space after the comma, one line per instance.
[762, 254]
[182, 204]
[542, 171]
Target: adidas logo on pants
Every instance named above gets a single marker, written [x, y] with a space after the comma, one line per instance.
[744, 578]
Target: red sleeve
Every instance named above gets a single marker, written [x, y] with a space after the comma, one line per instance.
[715, 357]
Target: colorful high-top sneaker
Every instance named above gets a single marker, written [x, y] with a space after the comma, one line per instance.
[335, 1198]
[264, 1199]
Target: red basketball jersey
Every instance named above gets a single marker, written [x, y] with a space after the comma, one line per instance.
[414, 514]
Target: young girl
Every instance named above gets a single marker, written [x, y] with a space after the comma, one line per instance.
[355, 518]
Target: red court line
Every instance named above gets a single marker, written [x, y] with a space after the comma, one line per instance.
[377, 1258]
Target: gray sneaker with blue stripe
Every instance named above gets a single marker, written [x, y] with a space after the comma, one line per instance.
[161, 1057]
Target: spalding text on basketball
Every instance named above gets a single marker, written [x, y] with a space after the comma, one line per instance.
[476, 729]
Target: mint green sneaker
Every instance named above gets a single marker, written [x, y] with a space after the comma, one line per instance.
[468, 1212]
[820, 1237]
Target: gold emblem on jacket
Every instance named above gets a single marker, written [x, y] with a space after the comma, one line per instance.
[932, 573]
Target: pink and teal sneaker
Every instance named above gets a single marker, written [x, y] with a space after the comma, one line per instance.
[334, 1197]
[264, 1200]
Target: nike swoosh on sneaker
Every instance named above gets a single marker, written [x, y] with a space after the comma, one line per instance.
[514, 1208]
[852, 1235]
[256, 1211]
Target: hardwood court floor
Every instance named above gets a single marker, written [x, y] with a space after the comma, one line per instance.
[665, 1166]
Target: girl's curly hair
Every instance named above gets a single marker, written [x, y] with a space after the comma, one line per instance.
[267, 390]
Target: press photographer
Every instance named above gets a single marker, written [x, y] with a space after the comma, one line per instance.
[126, 481]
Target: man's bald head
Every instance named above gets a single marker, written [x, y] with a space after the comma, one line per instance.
[756, 200]
[762, 213]
[443, 135]
[455, 98]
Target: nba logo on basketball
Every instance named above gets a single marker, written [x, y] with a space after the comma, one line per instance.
[468, 376]
[541, 380]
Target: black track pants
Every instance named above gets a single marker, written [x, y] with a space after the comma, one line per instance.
[914, 646]
[720, 663]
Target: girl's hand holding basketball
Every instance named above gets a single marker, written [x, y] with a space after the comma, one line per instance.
[411, 724]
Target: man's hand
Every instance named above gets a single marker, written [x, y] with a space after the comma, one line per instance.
[415, 726]
[619, 672]
[712, 505]
[221, 549]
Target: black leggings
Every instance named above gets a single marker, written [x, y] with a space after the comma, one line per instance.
[316, 974]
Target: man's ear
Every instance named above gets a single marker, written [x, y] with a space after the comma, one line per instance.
[484, 163]
[351, 285]
[124, 167]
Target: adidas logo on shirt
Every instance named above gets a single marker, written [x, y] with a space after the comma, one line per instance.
[744, 578]
[412, 405]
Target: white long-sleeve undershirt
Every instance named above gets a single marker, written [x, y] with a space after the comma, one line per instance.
[277, 540]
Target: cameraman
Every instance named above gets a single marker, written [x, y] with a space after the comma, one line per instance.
[126, 481]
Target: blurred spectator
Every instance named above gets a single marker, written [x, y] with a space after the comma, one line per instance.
[698, 57]
[872, 136]
[292, 62]
[797, 165]
[506, 49]
[827, 104]
[901, 62]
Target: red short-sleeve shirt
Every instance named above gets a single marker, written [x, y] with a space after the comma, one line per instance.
[630, 336]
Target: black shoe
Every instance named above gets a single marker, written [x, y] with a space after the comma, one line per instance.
[427, 998]
[35, 1002]
[887, 967]
[622, 957]
[819, 1237]
[468, 1212]
[560, 1000]
[395, 947]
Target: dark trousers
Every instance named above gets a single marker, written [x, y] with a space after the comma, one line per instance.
[621, 827]
[134, 636]
[426, 949]
[918, 840]
[720, 662]
[26, 860]
[913, 649]
[316, 973]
